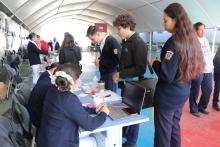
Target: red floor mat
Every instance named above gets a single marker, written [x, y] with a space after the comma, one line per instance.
[200, 132]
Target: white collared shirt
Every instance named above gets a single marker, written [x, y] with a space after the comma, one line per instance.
[207, 54]
[50, 73]
[103, 42]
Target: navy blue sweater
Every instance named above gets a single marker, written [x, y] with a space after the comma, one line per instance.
[35, 103]
[110, 56]
[170, 93]
[43, 75]
[33, 52]
[62, 115]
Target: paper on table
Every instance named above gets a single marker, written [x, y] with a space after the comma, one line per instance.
[82, 95]
[108, 96]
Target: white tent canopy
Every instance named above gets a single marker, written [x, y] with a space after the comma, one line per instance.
[148, 13]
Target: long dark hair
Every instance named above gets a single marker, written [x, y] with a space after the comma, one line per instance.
[190, 57]
[68, 41]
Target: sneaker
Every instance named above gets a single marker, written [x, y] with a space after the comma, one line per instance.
[216, 107]
[196, 114]
[204, 111]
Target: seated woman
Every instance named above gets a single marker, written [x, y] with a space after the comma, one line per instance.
[49, 71]
[63, 113]
[35, 103]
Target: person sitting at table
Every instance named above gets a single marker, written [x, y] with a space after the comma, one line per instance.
[63, 112]
[35, 103]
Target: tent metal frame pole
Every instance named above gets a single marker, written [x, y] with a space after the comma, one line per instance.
[150, 45]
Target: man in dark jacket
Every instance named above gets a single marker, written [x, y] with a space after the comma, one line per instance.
[110, 51]
[132, 65]
[216, 63]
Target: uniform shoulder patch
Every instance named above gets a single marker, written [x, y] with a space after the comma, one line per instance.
[115, 51]
[169, 55]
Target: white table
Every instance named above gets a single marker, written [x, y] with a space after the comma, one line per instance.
[112, 130]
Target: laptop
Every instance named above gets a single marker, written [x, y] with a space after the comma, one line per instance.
[132, 102]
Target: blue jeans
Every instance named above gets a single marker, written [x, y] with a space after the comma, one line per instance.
[205, 81]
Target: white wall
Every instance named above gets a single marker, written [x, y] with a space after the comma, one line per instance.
[57, 29]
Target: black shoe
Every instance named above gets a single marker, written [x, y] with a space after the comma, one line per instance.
[128, 145]
[204, 111]
[196, 114]
[216, 107]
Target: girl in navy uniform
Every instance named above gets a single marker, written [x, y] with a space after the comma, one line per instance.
[34, 57]
[35, 102]
[181, 61]
[63, 113]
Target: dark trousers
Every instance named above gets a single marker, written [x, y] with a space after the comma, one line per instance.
[131, 134]
[205, 82]
[109, 82]
[167, 128]
[216, 89]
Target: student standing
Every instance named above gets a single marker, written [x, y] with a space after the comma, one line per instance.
[132, 65]
[34, 58]
[69, 52]
[205, 79]
[110, 51]
[181, 61]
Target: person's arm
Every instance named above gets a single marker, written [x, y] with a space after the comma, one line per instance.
[168, 67]
[75, 111]
[140, 60]
[61, 56]
[78, 53]
[216, 60]
[37, 50]
[116, 49]
[90, 110]
[57, 46]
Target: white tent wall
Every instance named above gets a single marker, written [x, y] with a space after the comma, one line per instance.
[10, 34]
[2, 34]
[37, 14]
[148, 12]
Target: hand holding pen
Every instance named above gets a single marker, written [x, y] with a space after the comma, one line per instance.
[102, 108]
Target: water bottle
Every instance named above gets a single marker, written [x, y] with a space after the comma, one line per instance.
[95, 79]
[95, 82]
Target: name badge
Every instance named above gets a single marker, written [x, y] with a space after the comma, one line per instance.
[169, 55]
